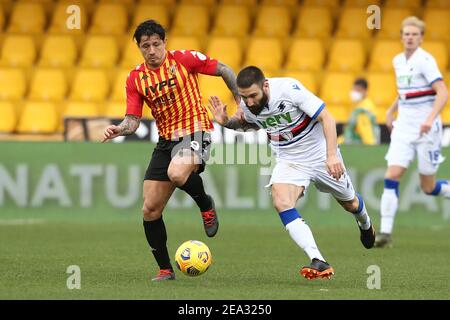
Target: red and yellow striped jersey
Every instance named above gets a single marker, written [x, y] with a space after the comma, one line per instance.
[172, 92]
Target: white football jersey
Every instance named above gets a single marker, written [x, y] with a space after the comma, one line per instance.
[289, 119]
[416, 96]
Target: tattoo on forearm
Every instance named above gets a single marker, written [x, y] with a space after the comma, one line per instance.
[228, 77]
[129, 125]
[236, 124]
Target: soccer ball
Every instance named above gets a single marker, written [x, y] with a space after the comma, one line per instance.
[193, 258]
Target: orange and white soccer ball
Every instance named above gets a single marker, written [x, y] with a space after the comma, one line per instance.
[193, 258]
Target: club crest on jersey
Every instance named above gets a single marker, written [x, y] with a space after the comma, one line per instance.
[172, 70]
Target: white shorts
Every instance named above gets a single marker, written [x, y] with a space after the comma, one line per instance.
[301, 175]
[403, 148]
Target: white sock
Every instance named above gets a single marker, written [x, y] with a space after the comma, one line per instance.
[362, 216]
[445, 190]
[303, 237]
[389, 205]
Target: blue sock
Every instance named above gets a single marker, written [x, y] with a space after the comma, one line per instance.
[392, 184]
[289, 215]
[437, 189]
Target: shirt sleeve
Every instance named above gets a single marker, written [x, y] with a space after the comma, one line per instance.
[134, 99]
[430, 69]
[304, 99]
[196, 62]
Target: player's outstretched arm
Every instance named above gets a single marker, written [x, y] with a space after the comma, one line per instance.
[229, 78]
[236, 122]
[334, 164]
[390, 114]
[128, 126]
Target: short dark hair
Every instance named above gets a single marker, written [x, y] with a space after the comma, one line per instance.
[361, 82]
[249, 76]
[148, 28]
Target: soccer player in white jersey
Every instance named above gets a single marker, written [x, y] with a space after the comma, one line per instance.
[302, 135]
[421, 96]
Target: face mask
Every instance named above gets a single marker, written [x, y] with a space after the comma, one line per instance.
[356, 96]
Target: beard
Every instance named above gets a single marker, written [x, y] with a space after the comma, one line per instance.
[257, 108]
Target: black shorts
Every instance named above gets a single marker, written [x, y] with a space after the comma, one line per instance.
[165, 150]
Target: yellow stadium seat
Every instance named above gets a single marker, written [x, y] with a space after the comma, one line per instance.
[306, 78]
[145, 12]
[382, 88]
[125, 2]
[324, 3]
[305, 54]
[231, 20]
[48, 84]
[114, 109]
[89, 85]
[340, 113]
[196, 25]
[437, 24]
[80, 109]
[58, 51]
[314, 22]
[8, 117]
[440, 4]
[109, 19]
[438, 50]
[183, 43]
[291, 4]
[99, 51]
[346, 55]
[209, 3]
[280, 22]
[353, 24]
[27, 17]
[214, 86]
[132, 56]
[170, 4]
[247, 3]
[361, 3]
[382, 54]
[2, 17]
[227, 50]
[59, 21]
[18, 51]
[12, 84]
[336, 88]
[391, 22]
[38, 117]
[257, 53]
[412, 4]
[118, 88]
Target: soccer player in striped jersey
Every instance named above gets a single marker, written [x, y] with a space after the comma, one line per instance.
[302, 135]
[168, 83]
[422, 95]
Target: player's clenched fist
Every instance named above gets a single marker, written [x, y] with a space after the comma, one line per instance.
[335, 167]
[111, 132]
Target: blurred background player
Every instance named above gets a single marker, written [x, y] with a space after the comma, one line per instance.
[168, 82]
[302, 134]
[422, 95]
[362, 127]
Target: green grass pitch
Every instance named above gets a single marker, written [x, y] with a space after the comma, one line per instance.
[253, 258]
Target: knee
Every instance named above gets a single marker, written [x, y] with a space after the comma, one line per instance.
[427, 188]
[281, 204]
[177, 177]
[151, 211]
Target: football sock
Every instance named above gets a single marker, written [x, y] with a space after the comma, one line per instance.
[389, 205]
[155, 232]
[300, 233]
[361, 214]
[194, 187]
[442, 188]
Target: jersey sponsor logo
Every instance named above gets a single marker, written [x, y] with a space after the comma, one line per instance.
[170, 83]
[275, 120]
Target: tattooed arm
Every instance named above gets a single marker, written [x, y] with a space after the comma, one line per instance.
[236, 122]
[128, 126]
[229, 78]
